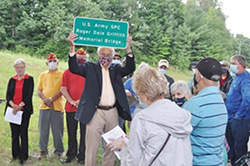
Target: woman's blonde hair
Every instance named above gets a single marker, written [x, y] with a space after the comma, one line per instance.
[150, 82]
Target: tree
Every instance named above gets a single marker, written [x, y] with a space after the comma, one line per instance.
[10, 12]
[161, 28]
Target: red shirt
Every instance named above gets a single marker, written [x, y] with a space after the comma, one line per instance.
[18, 95]
[223, 81]
[75, 85]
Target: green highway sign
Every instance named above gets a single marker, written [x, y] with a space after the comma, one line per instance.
[100, 32]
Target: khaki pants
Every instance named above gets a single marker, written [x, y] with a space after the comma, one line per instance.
[102, 121]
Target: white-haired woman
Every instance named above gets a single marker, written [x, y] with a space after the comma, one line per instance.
[180, 92]
[159, 134]
[19, 97]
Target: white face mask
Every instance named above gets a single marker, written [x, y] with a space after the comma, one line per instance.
[52, 65]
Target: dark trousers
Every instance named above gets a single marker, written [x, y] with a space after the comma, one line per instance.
[237, 134]
[72, 126]
[20, 149]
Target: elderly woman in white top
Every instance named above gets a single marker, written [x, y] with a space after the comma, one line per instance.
[180, 92]
[159, 134]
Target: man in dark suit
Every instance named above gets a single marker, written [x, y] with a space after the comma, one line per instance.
[103, 97]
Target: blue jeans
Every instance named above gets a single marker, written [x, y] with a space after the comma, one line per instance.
[237, 134]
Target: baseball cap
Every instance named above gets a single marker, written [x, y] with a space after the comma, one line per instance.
[118, 54]
[163, 62]
[193, 64]
[224, 63]
[51, 56]
[81, 51]
[210, 68]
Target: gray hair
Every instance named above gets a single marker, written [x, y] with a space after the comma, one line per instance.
[112, 49]
[182, 86]
[241, 59]
[19, 61]
[150, 82]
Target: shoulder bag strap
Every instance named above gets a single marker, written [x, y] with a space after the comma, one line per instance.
[160, 150]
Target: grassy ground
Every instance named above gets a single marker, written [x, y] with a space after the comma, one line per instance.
[34, 67]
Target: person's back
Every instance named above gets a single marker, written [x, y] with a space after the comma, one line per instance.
[150, 129]
[209, 120]
[209, 115]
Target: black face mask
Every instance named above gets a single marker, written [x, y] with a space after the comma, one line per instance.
[180, 101]
[195, 81]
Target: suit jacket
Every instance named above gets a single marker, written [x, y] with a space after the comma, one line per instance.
[93, 87]
[28, 88]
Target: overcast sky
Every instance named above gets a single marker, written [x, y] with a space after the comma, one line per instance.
[238, 12]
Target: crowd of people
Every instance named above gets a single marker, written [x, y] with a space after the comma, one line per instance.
[201, 122]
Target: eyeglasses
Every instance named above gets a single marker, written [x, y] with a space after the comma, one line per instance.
[53, 60]
[19, 67]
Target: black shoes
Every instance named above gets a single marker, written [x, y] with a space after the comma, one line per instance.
[80, 162]
[67, 161]
[22, 162]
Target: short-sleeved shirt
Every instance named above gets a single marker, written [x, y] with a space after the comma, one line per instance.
[50, 84]
[75, 85]
[209, 120]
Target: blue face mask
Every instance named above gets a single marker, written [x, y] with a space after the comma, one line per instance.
[142, 105]
[233, 69]
[180, 101]
[116, 61]
[163, 71]
[232, 74]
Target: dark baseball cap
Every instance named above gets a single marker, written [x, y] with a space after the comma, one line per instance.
[193, 64]
[210, 68]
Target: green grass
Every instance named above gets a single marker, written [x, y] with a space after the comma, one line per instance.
[34, 67]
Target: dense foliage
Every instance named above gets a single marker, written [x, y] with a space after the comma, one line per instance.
[167, 29]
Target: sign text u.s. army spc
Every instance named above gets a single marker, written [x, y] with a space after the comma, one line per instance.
[99, 32]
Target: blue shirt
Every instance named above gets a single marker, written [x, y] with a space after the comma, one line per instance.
[128, 86]
[238, 97]
[209, 120]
